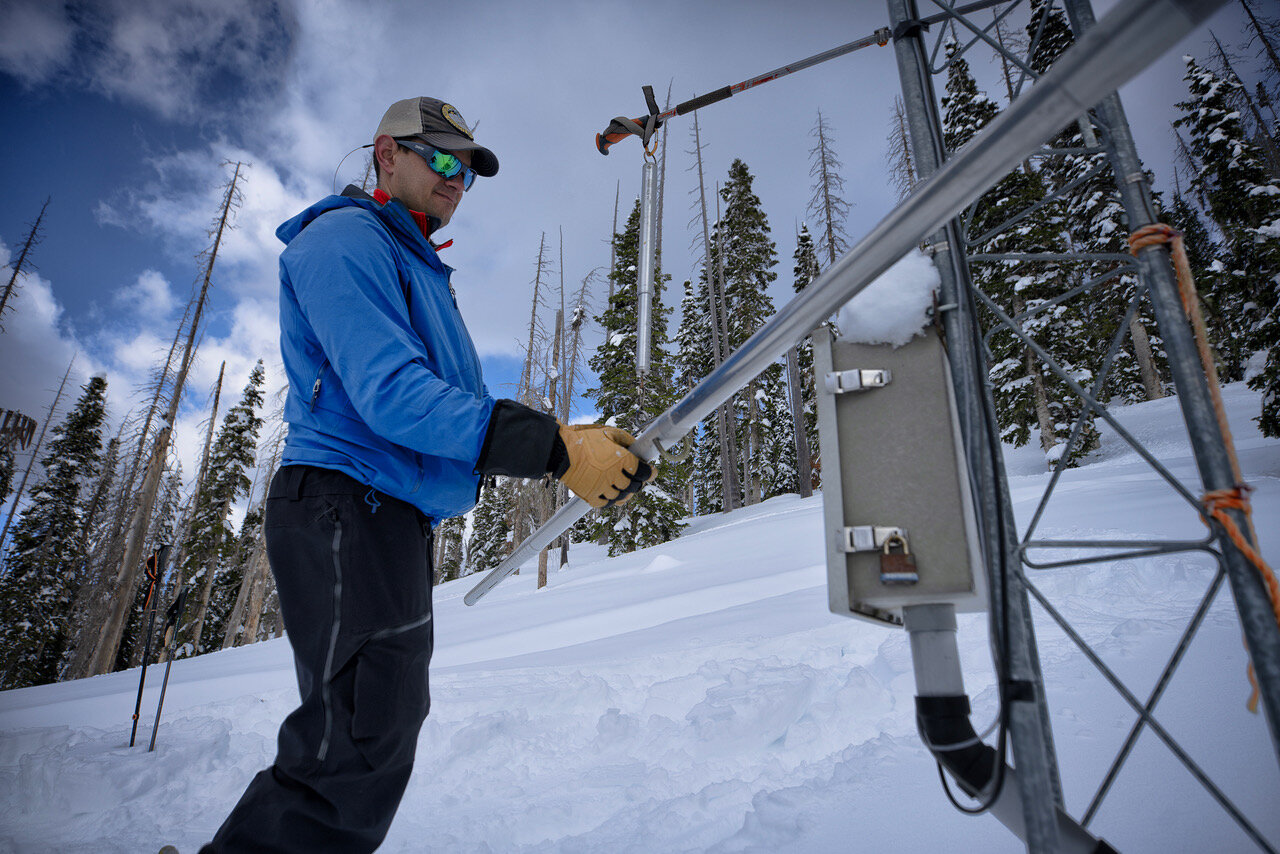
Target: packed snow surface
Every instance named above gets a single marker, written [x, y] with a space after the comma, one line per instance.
[699, 697]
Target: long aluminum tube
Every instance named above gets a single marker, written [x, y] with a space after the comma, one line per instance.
[1125, 42]
[648, 264]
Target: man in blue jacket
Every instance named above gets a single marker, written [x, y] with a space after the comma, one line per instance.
[390, 430]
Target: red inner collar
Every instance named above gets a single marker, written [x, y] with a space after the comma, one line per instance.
[424, 225]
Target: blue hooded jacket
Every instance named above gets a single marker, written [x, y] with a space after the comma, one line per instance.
[384, 381]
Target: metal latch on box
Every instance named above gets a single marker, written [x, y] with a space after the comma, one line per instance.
[838, 382]
[867, 538]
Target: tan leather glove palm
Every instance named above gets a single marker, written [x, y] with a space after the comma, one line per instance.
[601, 469]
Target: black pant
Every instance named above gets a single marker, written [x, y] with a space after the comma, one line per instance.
[353, 573]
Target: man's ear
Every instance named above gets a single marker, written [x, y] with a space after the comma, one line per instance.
[384, 149]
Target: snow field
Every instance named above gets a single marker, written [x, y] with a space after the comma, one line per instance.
[699, 697]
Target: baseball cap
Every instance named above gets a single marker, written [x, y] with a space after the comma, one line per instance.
[438, 124]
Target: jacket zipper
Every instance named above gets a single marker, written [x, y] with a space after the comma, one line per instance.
[315, 387]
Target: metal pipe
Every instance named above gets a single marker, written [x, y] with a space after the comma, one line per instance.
[942, 716]
[1135, 33]
[648, 264]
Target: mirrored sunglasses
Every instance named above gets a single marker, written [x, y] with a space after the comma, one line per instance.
[442, 163]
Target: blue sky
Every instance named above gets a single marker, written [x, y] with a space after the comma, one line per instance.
[122, 111]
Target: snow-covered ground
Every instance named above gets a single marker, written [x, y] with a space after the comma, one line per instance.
[699, 697]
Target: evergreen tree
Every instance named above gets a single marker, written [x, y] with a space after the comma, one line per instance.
[1093, 221]
[46, 560]
[1028, 396]
[804, 271]
[211, 543]
[768, 455]
[7, 467]
[1243, 288]
[491, 531]
[630, 402]
[451, 564]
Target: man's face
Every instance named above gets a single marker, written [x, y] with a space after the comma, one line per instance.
[412, 181]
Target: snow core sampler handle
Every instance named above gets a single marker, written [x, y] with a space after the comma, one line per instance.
[1128, 39]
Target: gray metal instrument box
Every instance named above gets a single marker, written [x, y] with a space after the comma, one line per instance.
[892, 464]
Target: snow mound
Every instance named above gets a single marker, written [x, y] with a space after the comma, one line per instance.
[895, 307]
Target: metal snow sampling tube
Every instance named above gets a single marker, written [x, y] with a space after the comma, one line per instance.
[1128, 39]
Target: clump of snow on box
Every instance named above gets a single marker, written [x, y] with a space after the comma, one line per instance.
[895, 307]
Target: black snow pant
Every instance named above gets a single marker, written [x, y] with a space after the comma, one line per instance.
[353, 573]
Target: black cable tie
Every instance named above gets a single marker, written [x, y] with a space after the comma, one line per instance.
[909, 29]
[955, 706]
[1019, 691]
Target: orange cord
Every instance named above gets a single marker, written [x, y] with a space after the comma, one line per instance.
[1217, 502]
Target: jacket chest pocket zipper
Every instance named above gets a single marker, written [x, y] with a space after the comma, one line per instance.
[315, 387]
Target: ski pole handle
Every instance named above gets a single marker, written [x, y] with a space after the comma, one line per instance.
[617, 131]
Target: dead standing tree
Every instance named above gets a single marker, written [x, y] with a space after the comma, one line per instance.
[127, 576]
[718, 325]
[33, 237]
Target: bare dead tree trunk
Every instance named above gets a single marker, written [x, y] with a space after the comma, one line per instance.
[827, 202]
[202, 604]
[1048, 434]
[1262, 37]
[1272, 152]
[613, 250]
[804, 460]
[249, 580]
[113, 626]
[33, 237]
[570, 357]
[1151, 385]
[720, 295]
[728, 485]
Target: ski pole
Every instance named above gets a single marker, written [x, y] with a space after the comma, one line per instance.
[171, 620]
[1128, 39]
[154, 562]
[621, 127]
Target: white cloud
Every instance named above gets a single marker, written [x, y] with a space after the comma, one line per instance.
[36, 348]
[148, 298]
[36, 38]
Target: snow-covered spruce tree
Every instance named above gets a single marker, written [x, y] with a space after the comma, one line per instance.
[7, 466]
[450, 563]
[1028, 396]
[630, 402]
[1243, 287]
[804, 271]
[765, 439]
[211, 540]
[46, 556]
[491, 533]
[1093, 221]
[695, 360]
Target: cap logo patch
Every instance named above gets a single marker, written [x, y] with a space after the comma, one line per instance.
[453, 117]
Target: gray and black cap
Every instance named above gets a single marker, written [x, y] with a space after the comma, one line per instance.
[437, 124]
